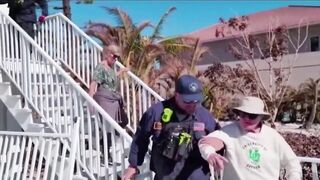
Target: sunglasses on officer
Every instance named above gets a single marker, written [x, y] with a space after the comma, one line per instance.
[250, 116]
[191, 102]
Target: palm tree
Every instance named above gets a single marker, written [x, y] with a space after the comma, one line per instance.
[126, 35]
[311, 89]
[185, 53]
[141, 52]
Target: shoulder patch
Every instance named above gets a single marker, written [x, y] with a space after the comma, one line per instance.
[166, 116]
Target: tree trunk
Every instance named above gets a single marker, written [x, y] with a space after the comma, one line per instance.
[273, 117]
[66, 8]
[312, 116]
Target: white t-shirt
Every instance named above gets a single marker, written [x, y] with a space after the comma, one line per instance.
[256, 156]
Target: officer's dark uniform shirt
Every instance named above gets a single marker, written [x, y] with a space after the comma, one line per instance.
[193, 167]
[25, 13]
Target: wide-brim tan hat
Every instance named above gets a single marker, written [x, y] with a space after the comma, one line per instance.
[252, 105]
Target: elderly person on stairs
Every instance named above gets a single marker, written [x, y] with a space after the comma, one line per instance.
[252, 149]
[104, 85]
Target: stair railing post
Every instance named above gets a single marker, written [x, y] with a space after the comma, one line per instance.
[24, 66]
[144, 100]
[74, 146]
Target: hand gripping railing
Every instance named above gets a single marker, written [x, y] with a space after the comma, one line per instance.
[66, 42]
[58, 98]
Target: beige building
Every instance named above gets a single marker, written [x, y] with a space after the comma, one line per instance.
[295, 18]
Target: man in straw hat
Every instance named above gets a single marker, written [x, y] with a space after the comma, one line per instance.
[252, 149]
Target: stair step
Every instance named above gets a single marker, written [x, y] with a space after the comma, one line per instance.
[5, 88]
[103, 171]
[34, 127]
[12, 101]
[79, 177]
[47, 129]
[23, 116]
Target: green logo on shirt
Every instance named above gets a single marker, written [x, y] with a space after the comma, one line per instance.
[254, 155]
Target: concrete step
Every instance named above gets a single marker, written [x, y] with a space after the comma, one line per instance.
[5, 88]
[24, 119]
[12, 101]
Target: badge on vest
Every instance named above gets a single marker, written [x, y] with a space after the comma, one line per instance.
[198, 126]
[166, 115]
[157, 126]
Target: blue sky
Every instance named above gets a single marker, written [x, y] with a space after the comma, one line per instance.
[189, 16]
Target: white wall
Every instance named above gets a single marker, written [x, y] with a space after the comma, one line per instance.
[307, 65]
[218, 50]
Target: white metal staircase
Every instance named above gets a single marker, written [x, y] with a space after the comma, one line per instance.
[78, 53]
[57, 99]
[13, 111]
[26, 155]
[36, 70]
[32, 154]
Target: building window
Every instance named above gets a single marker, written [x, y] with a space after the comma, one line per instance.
[314, 43]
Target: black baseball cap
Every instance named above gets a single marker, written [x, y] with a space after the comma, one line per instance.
[190, 88]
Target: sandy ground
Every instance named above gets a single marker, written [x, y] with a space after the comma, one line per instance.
[295, 128]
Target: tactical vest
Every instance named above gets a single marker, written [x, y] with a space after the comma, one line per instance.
[175, 140]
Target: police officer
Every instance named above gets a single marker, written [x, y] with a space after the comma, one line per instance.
[24, 13]
[175, 125]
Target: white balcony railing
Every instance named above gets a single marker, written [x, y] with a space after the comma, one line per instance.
[79, 54]
[27, 155]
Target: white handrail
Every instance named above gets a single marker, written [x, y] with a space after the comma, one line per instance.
[309, 159]
[61, 15]
[144, 85]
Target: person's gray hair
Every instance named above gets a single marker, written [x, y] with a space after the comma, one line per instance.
[114, 49]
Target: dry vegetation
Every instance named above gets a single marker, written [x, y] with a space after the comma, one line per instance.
[304, 145]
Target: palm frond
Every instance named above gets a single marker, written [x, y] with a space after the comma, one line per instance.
[142, 26]
[104, 32]
[123, 18]
[92, 28]
[198, 52]
[158, 28]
